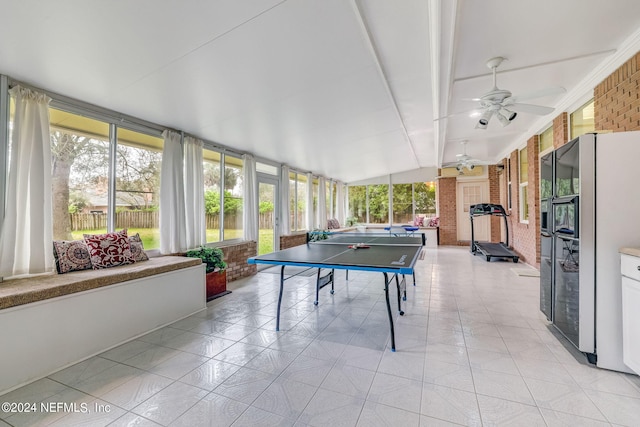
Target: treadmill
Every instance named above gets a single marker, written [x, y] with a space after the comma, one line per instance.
[488, 249]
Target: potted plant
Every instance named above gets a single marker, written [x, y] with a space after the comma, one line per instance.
[216, 275]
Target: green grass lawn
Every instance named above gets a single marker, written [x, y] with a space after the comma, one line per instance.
[151, 237]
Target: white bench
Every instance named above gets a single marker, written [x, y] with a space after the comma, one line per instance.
[53, 321]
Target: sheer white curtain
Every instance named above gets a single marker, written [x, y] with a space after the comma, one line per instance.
[172, 228]
[340, 203]
[26, 233]
[284, 200]
[250, 210]
[195, 225]
[310, 213]
[322, 202]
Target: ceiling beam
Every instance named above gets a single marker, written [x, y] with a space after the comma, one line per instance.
[366, 35]
[583, 90]
[442, 24]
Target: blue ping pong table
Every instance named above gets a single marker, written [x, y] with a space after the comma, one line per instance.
[392, 256]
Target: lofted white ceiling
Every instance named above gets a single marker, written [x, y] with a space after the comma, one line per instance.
[349, 89]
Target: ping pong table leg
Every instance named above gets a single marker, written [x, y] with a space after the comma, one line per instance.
[280, 297]
[386, 294]
[399, 293]
[317, 288]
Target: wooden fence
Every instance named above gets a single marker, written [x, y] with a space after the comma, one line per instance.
[146, 219]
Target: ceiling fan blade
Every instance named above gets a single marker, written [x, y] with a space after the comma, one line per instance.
[531, 109]
[535, 94]
[461, 113]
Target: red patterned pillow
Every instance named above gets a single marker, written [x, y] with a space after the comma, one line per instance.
[109, 250]
[137, 248]
[71, 255]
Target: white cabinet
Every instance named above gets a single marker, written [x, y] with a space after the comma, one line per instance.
[630, 268]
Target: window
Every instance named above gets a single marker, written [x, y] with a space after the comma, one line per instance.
[79, 181]
[315, 203]
[233, 198]
[297, 201]
[523, 172]
[546, 140]
[370, 204]
[138, 161]
[509, 198]
[223, 196]
[582, 120]
[424, 198]
[212, 187]
[378, 203]
[329, 192]
[81, 158]
[358, 203]
[402, 203]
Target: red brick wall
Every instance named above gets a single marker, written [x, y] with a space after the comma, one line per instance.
[235, 255]
[617, 99]
[560, 130]
[534, 195]
[446, 190]
[494, 198]
[292, 240]
[616, 108]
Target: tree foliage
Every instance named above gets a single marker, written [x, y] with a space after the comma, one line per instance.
[403, 200]
[212, 202]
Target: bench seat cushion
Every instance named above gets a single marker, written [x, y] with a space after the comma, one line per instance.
[16, 292]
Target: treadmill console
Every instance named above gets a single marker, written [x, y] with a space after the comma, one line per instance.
[487, 209]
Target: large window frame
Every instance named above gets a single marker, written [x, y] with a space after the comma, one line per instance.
[423, 206]
[582, 120]
[298, 188]
[523, 185]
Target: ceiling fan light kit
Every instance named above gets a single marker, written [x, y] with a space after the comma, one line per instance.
[496, 101]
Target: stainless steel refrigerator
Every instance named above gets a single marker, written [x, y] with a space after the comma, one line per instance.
[589, 204]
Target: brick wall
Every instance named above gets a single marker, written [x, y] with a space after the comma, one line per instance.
[560, 130]
[292, 240]
[494, 198]
[235, 255]
[524, 236]
[616, 108]
[446, 190]
[617, 99]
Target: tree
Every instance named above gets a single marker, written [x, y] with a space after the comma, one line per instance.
[138, 177]
[66, 149]
[425, 197]
[379, 203]
[232, 204]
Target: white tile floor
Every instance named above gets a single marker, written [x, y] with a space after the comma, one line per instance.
[473, 349]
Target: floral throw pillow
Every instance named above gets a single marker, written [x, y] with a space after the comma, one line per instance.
[71, 255]
[137, 248]
[109, 250]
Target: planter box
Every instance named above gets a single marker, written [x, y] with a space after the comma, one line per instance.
[216, 284]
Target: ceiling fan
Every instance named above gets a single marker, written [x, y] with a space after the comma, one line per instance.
[464, 161]
[502, 104]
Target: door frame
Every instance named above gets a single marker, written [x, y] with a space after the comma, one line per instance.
[462, 216]
[263, 178]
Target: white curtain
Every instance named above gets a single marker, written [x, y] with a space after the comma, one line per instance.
[172, 228]
[322, 203]
[284, 200]
[310, 214]
[195, 225]
[26, 232]
[250, 210]
[340, 203]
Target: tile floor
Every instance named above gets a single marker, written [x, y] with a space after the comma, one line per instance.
[473, 349]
